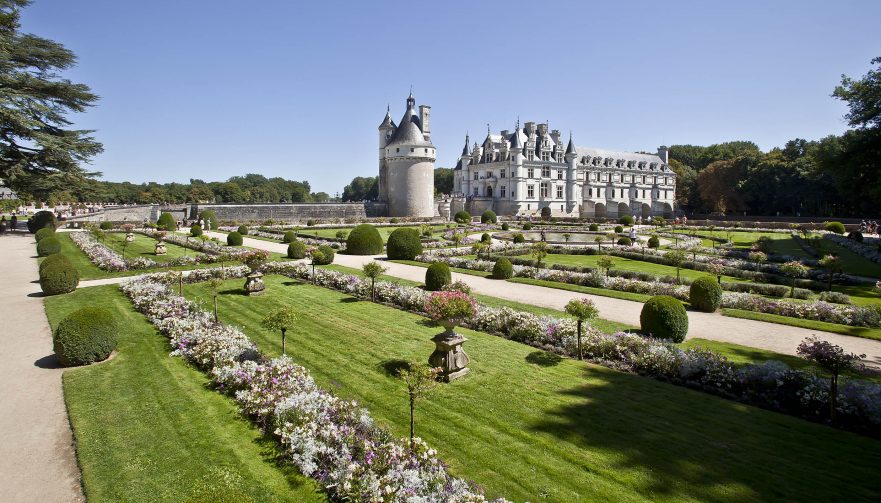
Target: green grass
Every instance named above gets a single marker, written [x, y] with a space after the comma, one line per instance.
[148, 428]
[851, 262]
[529, 426]
[864, 332]
[144, 246]
[330, 232]
[626, 264]
[615, 294]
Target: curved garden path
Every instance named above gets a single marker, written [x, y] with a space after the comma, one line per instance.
[37, 458]
[713, 326]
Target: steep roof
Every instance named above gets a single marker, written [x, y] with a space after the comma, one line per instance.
[616, 154]
[410, 130]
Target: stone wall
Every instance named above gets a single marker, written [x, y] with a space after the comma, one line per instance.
[125, 214]
[287, 212]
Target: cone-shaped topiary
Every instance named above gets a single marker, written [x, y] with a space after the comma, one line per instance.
[45, 232]
[166, 222]
[296, 250]
[196, 230]
[41, 219]
[243, 230]
[48, 246]
[59, 277]
[503, 269]
[289, 237]
[705, 294]
[364, 240]
[404, 244]
[488, 217]
[234, 239]
[437, 276]
[664, 317]
[462, 217]
[86, 336]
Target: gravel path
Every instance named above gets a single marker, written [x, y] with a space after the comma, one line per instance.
[713, 326]
[37, 458]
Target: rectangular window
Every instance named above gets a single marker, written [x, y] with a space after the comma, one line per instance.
[530, 192]
[475, 191]
[559, 174]
[643, 181]
[559, 192]
[412, 150]
[502, 190]
[656, 181]
[530, 173]
[543, 188]
[545, 156]
[546, 172]
[513, 173]
[590, 192]
[475, 175]
[502, 173]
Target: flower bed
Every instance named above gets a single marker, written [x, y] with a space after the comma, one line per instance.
[330, 439]
[870, 248]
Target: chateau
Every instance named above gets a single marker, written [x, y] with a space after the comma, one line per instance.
[406, 163]
[529, 171]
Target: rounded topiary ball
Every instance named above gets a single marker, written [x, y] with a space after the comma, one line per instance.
[518, 238]
[626, 220]
[619, 229]
[289, 237]
[106, 225]
[593, 227]
[364, 240]
[505, 226]
[503, 269]
[60, 276]
[488, 217]
[437, 276]
[54, 259]
[86, 336]
[462, 217]
[40, 220]
[486, 238]
[403, 244]
[196, 230]
[327, 255]
[48, 246]
[624, 241]
[166, 222]
[45, 232]
[296, 250]
[527, 226]
[705, 294]
[243, 230]
[836, 227]
[664, 317]
[654, 242]
[234, 239]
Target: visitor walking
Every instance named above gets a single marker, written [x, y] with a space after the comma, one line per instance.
[13, 222]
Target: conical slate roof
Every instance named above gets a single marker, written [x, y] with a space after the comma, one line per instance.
[570, 149]
[387, 122]
[410, 130]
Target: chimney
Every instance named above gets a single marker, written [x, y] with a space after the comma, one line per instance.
[555, 135]
[664, 154]
[425, 119]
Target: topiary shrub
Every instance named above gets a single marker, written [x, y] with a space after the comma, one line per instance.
[486, 238]
[505, 226]
[326, 256]
[527, 226]
[836, 227]
[54, 259]
[593, 227]
[705, 294]
[310, 222]
[243, 230]
[654, 242]
[48, 246]
[59, 277]
[289, 237]
[296, 250]
[43, 233]
[234, 239]
[488, 217]
[211, 218]
[437, 276]
[462, 217]
[835, 298]
[855, 236]
[364, 240]
[518, 238]
[503, 269]
[196, 230]
[664, 317]
[105, 225]
[41, 219]
[619, 229]
[403, 244]
[166, 222]
[626, 220]
[624, 241]
[393, 221]
[86, 336]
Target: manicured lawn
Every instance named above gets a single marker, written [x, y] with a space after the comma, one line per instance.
[532, 427]
[851, 262]
[626, 264]
[615, 294]
[148, 428]
[330, 232]
[865, 332]
[144, 246]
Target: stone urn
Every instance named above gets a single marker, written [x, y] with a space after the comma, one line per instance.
[254, 283]
[129, 237]
[448, 353]
[160, 248]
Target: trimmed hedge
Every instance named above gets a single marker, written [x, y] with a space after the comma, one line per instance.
[106, 225]
[518, 238]
[40, 220]
[437, 276]
[234, 239]
[486, 238]
[243, 230]
[289, 237]
[505, 226]
[527, 226]
[624, 241]
[166, 222]
[654, 242]
[593, 227]
[619, 229]
[462, 217]
[403, 244]
[196, 230]
[488, 217]
[836, 227]
[44, 233]
[364, 240]
[59, 277]
[664, 317]
[296, 250]
[48, 246]
[86, 336]
[503, 269]
[54, 259]
[327, 255]
[705, 294]
[626, 220]
[855, 236]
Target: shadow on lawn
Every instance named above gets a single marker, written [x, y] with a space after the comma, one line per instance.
[393, 368]
[673, 443]
[544, 358]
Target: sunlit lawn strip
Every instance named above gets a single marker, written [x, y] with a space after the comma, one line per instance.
[865, 332]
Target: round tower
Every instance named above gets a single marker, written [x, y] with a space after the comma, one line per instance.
[409, 167]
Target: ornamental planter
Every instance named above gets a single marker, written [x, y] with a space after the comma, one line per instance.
[160, 248]
[254, 284]
[129, 237]
[448, 354]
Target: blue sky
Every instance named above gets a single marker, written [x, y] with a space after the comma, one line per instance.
[212, 89]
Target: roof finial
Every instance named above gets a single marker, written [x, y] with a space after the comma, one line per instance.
[487, 129]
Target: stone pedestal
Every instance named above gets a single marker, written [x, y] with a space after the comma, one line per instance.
[129, 237]
[449, 355]
[254, 283]
[160, 249]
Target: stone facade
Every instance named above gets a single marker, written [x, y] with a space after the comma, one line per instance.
[529, 171]
[406, 163]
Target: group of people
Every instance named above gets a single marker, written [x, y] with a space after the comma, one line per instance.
[8, 225]
[870, 227]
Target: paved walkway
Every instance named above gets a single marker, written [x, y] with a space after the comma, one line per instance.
[713, 326]
[37, 458]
